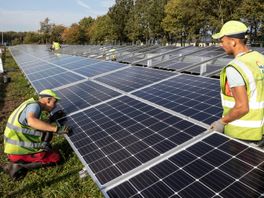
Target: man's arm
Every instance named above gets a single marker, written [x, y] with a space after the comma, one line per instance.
[38, 124]
[241, 107]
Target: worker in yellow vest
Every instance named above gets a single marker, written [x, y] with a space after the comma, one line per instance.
[28, 133]
[112, 53]
[242, 86]
[55, 46]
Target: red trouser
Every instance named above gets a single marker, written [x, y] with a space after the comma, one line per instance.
[42, 157]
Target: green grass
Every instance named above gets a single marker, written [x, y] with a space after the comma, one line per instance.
[59, 181]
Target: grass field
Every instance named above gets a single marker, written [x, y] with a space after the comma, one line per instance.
[59, 181]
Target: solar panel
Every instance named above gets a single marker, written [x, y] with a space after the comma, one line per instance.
[56, 80]
[64, 60]
[217, 166]
[83, 95]
[121, 135]
[81, 63]
[133, 78]
[42, 74]
[99, 68]
[37, 67]
[130, 144]
[192, 96]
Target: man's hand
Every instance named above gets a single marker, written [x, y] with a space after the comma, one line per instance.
[218, 125]
[63, 129]
[57, 115]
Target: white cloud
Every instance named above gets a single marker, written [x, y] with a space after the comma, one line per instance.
[81, 3]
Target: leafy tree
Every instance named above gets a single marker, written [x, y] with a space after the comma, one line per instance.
[32, 37]
[252, 12]
[45, 29]
[71, 35]
[191, 19]
[84, 25]
[119, 14]
[102, 30]
[155, 14]
[56, 33]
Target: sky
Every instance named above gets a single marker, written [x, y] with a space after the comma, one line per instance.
[25, 15]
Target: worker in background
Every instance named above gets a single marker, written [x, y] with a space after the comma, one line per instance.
[55, 46]
[28, 134]
[112, 54]
[242, 86]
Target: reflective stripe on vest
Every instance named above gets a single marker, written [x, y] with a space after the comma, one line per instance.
[251, 125]
[248, 123]
[25, 144]
[24, 130]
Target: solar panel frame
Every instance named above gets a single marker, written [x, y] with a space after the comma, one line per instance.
[133, 78]
[82, 95]
[205, 168]
[126, 132]
[191, 96]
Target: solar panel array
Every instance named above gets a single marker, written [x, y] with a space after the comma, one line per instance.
[140, 132]
[216, 166]
[191, 96]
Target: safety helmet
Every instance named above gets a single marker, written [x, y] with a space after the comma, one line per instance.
[234, 29]
[49, 93]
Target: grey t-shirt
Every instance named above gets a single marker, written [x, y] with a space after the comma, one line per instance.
[34, 108]
[234, 78]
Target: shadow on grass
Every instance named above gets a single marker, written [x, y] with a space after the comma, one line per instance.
[37, 185]
[65, 150]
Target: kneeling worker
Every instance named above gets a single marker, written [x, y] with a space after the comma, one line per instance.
[28, 134]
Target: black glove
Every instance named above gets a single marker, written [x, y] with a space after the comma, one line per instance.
[46, 136]
[63, 129]
[47, 147]
[57, 115]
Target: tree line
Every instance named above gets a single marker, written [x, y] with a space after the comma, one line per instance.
[152, 21]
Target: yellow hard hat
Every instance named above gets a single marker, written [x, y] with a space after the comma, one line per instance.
[49, 93]
[231, 28]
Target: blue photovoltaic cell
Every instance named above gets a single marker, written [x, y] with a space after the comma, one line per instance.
[55, 81]
[83, 95]
[45, 73]
[99, 68]
[120, 135]
[40, 67]
[81, 63]
[173, 65]
[214, 167]
[134, 78]
[61, 61]
[192, 96]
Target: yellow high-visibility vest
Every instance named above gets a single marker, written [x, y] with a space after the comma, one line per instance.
[20, 139]
[56, 46]
[251, 126]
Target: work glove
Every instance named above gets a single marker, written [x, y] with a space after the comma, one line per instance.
[57, 115]
[218, 125]
[63, 129]
[47, 147]
[46, 136]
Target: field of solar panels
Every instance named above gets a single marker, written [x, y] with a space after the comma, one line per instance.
[139, 123]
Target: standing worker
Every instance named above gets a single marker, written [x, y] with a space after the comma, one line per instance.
[55, 46]
[28, 133]
[242, 86]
